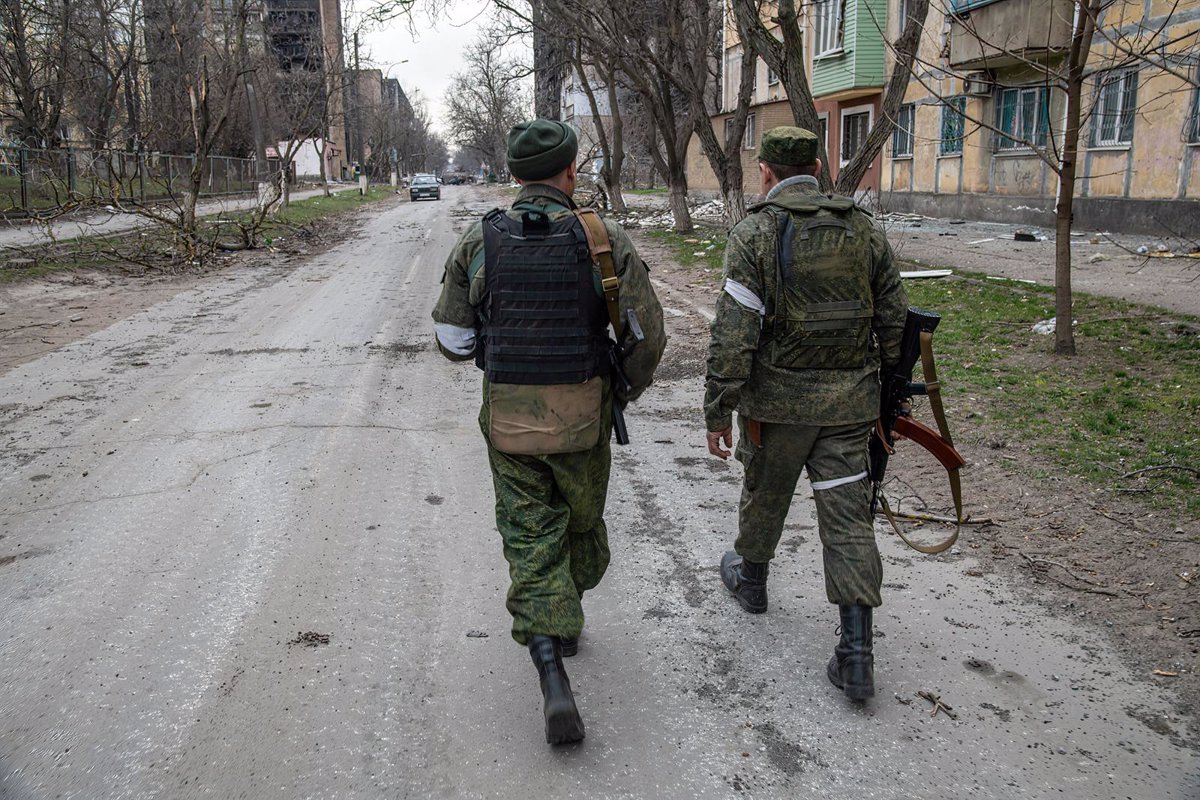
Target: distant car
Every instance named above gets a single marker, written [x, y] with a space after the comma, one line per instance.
[424, 186]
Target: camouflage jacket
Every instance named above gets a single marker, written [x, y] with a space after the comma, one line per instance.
[740, 379]
[455, 318]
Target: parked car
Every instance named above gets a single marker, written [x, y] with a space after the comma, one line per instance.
[424, 186]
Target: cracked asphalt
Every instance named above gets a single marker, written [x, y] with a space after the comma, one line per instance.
[193, 499]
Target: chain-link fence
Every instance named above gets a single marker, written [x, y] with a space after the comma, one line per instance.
[34, 180]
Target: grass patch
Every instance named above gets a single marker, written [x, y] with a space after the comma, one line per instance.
[702, 250]
[1129, 400]
[310, 209]
[155, 244]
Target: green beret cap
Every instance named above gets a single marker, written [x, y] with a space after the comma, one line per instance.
[793, 147]
[541, 148]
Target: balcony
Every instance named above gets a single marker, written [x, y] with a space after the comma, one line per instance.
[991, 34]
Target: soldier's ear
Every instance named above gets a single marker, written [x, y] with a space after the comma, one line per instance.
[817, 167]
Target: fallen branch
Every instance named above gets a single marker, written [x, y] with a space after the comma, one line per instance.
[1033, 562]
[938, 704]
[1160, 467]
[939, 518]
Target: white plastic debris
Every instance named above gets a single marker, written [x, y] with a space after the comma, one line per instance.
[926, 273]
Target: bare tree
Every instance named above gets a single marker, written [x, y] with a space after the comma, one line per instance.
[486, 99]
[668, 55]
[1096, 72]
[34, 67]
[104, 54]
[206, 56]
[550, 62]
[784, 53]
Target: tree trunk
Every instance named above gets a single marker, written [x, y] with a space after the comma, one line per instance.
[547, 65]
[1081, 45]
[734, 197]
[679, 206]
[612, 187]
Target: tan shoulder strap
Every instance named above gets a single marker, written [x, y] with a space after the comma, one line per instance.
[953, 462]
[601, 248]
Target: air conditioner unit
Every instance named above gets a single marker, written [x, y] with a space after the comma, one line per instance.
[979, 84]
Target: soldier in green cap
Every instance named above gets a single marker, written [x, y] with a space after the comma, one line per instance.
[530, 294]
[811, 307]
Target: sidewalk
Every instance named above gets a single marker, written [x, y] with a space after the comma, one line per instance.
[1101, 263]
[23, 233]
[1107, 264]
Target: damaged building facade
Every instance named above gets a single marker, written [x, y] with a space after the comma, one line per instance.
[985, 99]
[985, 109]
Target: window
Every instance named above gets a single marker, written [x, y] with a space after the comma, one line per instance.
[902, 134]
[952, 126]
[823, 130]
[772, 77]
[728, 129]
[1024, 117]
[903, 16]
[1116, 102]
[855, 124]
[1194, 126]
[748, 141]
[827, 26]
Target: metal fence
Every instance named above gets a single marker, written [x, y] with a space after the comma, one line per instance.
[33, 180]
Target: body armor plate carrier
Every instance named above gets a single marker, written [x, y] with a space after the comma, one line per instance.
[543, 322]
[823, 302]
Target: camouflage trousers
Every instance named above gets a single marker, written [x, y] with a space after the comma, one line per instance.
[550, 514]
[853, 570]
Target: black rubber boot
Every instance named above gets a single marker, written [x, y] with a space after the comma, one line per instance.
[563, 723]
[569, 646]
[852, 668]
[747, 580]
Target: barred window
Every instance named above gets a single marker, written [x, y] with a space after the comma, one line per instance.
[1116, 102]
[855, 126]
[902, 134]
[1194, 126]
[1024, 117]
[952, 126]
[748, 141]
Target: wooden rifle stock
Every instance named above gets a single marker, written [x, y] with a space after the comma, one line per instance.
[931, 440]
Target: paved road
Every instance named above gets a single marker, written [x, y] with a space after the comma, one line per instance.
[21, 233]
[187, 491]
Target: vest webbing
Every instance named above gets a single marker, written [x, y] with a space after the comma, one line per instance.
[543, 323]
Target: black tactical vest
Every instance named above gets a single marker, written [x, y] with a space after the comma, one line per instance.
[542, 319]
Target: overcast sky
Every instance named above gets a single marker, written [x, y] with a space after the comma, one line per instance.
[433, 48]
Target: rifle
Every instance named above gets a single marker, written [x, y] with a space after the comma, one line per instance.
[896, 392]
[617, 353]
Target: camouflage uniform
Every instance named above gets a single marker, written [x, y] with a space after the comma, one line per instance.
[550, 508]
[817, 418]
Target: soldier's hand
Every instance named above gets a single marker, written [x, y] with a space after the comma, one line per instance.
[715, 438]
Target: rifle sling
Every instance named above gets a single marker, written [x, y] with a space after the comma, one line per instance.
[601, 249]
[948, 456]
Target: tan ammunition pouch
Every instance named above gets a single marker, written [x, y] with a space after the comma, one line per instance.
[535, 420]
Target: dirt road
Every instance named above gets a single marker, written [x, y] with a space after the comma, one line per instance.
[195, 497]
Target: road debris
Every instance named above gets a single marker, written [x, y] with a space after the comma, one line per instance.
[1162, 673]
[310, 639]
[938, 704]
[477, 634]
